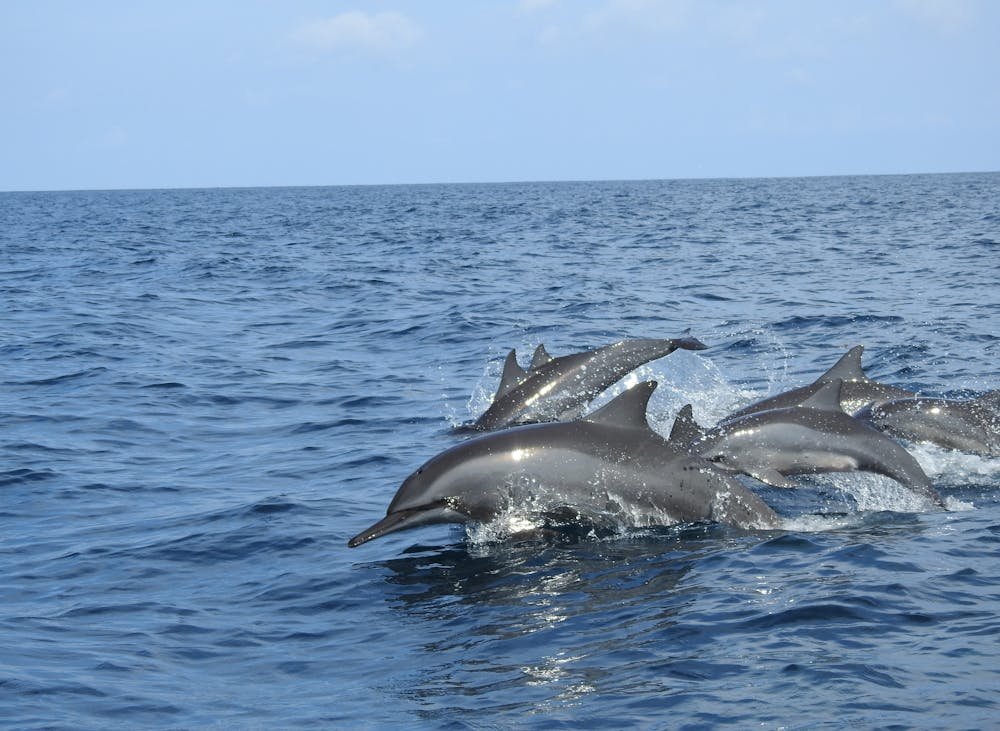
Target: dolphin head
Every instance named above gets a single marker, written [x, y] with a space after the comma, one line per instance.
[479, 478]
[449, 488]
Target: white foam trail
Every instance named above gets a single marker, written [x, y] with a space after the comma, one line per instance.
[500, 528]
[527, 513]
[957, 467]
[816, 523]
[511, 523]
[953, 505]
[873, 493]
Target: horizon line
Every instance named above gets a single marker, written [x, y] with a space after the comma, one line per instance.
[491, 182]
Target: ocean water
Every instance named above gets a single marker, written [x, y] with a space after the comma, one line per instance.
[205, 393]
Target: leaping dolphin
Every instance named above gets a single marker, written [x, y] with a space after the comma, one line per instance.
[816, 436]
[857, 389]
[558, 389]
[609, 466]
[968, 425]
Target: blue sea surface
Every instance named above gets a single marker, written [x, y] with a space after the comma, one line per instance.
[205, 393]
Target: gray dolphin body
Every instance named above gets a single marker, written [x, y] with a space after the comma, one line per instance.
[857, 389]
[609, 467]
[968, 425]
[555, 389]
[814, 437]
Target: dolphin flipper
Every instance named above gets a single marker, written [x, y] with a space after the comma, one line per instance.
[771, 477]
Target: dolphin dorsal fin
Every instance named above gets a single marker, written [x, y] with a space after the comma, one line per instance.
[627, 409]
[827, 398]
[540, 357]
[513, 374]
[685, 430]
[848, 368]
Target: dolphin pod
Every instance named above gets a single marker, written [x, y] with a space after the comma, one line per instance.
[544, 461]
[610, 464]
[857, 389]
[812, 437]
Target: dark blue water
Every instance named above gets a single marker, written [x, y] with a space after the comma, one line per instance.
[205, 393]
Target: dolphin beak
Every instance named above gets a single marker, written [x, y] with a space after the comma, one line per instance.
[388, 524]
[401, 520]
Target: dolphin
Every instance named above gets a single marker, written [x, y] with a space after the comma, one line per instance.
[971, 425]
[607, 468]
[558, 389]
[857, 389]
[816, 436]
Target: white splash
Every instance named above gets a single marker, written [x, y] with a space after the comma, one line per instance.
[684, 377]
[957, 467]
[529, 513]
[816, 523]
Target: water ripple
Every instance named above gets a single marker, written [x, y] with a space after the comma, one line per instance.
[207, 392]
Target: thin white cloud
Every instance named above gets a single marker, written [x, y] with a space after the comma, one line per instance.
[385, 32]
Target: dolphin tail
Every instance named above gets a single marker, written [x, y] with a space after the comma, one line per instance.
[688, 343]
[910, 474]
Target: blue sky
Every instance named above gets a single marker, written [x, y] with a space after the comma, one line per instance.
[189, 94]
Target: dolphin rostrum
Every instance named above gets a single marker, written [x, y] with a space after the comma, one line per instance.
[816, 436]
[857, 389]
[971, 425]
[607, 468]
[554, 389]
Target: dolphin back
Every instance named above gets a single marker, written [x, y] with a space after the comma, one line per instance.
[969, 426]
[555, 389]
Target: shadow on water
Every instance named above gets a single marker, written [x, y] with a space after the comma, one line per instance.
[547, 626]
[511, 572]
[646, 565]
[537, 624]
[512, 627]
